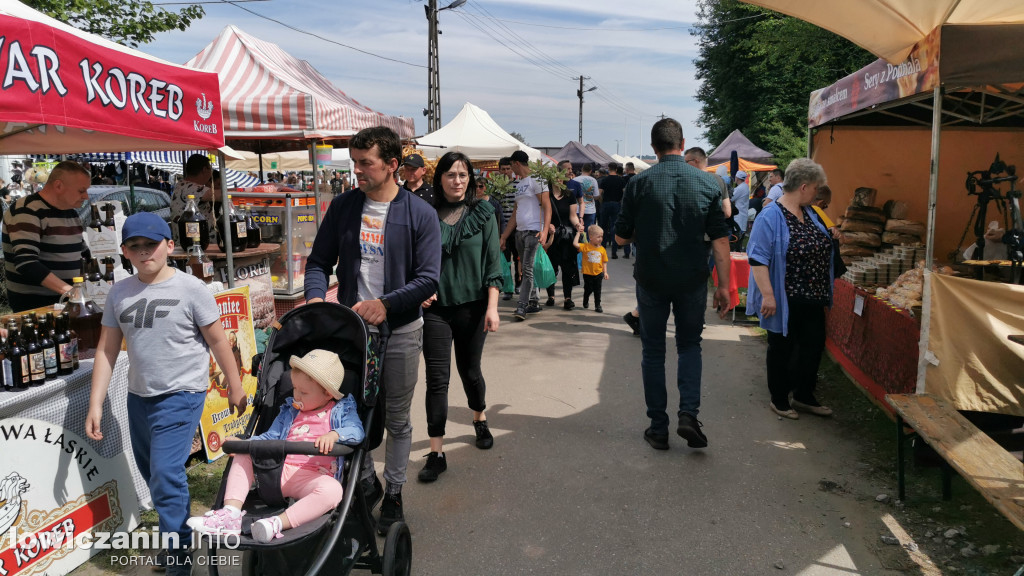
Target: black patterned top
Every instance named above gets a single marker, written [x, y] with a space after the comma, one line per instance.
[807, 261]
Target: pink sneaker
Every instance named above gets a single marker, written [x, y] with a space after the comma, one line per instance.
[217, 522]
[266, 529]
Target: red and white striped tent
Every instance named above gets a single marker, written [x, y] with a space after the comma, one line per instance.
[268, 93]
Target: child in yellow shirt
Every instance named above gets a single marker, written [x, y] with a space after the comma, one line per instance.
[595, 265]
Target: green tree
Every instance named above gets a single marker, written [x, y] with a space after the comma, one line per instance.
[757, 70]
[129, 22]
[519, 137]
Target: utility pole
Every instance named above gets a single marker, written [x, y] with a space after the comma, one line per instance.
[433, 110]
[579, 94]
[617, 140]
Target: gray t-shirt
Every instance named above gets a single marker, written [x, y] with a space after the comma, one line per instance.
[161, 324]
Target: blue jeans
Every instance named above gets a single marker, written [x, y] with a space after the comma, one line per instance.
[161, 429]
[589, 219]
[688, 311]
[609, 214]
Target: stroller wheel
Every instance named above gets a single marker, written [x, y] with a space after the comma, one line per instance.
[397, 551]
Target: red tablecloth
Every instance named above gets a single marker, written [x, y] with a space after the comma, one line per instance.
[739, 272]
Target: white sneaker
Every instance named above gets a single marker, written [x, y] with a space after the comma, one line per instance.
[266, 529]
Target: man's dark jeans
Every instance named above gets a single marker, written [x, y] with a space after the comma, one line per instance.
[609, 214]
[687, 308]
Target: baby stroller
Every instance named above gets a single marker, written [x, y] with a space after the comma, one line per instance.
[344, 538]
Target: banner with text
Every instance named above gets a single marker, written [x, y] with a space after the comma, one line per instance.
[218, 422]
[878, 82]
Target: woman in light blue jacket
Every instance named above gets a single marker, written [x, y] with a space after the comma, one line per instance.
[790, 254]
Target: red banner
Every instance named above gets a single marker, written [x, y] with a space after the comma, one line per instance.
[55, 78]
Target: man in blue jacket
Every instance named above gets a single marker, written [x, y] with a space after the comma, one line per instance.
[386, 244]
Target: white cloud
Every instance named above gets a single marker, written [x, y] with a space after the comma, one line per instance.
[649, 71]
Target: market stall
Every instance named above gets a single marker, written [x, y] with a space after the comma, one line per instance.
[288, 106]
[474, 133]
[943, 99]
[66, 91]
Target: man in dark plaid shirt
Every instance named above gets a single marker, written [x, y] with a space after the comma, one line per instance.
[666, 211]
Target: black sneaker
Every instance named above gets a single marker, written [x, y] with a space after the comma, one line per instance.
[586, 303]
[550, 302]
[657, 441]
[533, 308]
[372, 491]
[484, 440]
[689, 428]
[160, 560]
[598, 309]
[520, 314]
[436, 464]
[615, 256]
[569, 305]
[633, 322]
[390, 512]
[507, 296]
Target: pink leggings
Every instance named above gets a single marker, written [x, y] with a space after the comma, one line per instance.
[316, 493]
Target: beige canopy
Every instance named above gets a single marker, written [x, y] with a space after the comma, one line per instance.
[890, 28]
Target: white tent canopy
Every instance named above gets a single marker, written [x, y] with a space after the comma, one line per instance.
[890, 28]
[639, 164]
[474, 133]
[296, 161]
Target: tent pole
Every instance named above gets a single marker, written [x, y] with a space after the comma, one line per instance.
[259, 155]
[933, 189]
[316, 185]
[225, 229]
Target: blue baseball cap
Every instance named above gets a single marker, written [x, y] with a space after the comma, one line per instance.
[145, 225]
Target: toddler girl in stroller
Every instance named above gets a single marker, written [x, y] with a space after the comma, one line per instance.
[317, 412]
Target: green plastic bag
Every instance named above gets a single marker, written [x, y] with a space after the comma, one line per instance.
[508, 285]
[543, 272]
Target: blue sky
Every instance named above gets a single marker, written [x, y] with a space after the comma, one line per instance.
[639, 54]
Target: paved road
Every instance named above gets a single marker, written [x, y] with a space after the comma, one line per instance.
[571, 487]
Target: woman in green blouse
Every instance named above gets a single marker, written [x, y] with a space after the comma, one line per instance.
[465, 307]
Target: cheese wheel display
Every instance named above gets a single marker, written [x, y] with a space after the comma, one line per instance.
[868, 213]
[905, 227]
[897, 238]
[894, 209]
[864, 197]
[862, 226]
[865, 239]
[855, 251]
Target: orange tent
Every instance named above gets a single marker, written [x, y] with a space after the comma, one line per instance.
[745, 165]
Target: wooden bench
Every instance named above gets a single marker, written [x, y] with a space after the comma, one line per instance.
[983, 463]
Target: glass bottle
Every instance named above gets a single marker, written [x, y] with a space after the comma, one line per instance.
[108, 274]
[236, 223]
[5, 366]
[255, 235]
[21, 376]
[92, 271]
[72, 339]
[193, 228]
[65, 354]
[36, 360]
[94, 218]
[84, 315]
[108, 222]
[49, 349]
[199, 265]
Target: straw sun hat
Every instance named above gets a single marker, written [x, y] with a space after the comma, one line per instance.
[324, 367]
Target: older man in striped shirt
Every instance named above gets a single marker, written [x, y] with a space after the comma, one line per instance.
[42, 239]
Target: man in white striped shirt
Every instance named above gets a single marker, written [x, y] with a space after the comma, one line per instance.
[42, 239]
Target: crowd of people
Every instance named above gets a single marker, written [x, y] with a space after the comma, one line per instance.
[427, 259]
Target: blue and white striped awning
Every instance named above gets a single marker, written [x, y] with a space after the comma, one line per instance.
[168, 161]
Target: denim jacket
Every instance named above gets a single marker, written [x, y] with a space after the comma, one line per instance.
[344, 420]
[769, 242]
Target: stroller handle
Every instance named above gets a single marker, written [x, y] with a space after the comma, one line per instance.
[282, 447]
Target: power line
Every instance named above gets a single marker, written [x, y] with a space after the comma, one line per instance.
[235, 3]
[200, 2]
[494, 35]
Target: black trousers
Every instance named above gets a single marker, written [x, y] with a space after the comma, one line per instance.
[512, 255]
[793, 359]
[592, 285]
[443, 327]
